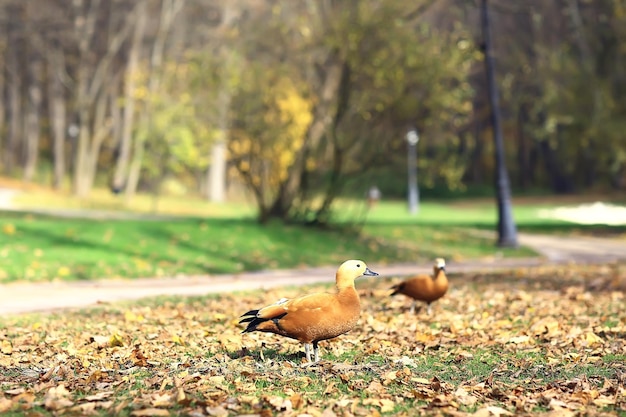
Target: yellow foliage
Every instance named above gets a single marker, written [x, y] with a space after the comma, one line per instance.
[287, 119]
[63, 271]
[8, 229]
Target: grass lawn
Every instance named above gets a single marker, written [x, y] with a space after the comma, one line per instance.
[226, 239]
[35, 247]
[522, 342]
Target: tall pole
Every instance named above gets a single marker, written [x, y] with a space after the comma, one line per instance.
[412, 138]
[507, 232]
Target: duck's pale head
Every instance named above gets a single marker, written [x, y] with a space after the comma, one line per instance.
[440, 264]
[353, 269]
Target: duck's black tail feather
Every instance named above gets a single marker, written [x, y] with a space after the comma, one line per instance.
[250, 313]
[253, 322]
[397, 288]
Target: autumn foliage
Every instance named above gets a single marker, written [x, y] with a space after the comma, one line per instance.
[549, 339]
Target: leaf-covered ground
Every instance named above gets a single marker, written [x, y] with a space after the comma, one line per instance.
[542, 340]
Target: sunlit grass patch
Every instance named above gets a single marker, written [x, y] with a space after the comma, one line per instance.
[42, 248]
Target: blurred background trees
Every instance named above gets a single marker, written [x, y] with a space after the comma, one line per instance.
[298, 103]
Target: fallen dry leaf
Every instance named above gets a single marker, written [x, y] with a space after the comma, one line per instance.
[146, 412]
[492, 411]
[5, 404]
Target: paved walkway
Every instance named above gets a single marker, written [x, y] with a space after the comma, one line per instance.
[18, 298]
[579, 249]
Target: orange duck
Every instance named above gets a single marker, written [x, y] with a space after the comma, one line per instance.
[314, 317]
[424, 287]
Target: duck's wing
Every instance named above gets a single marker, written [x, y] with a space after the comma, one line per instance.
[268, 312]
[281, 316]
[401, 286]
[413, 286]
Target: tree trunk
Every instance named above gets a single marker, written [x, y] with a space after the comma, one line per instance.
[121, 169]
[90, 81]
[289, 188]
[507, 231]
[84, 27]
[560, 183]
[56, 107]
[101, 130]
[476, 158]
[523, 166]
[14, 92]
[80, 156]
[169, 11]
[2, 103]
[322, 215]
[33, 107]
[217, 167]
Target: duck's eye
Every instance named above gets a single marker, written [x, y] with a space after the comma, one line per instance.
[358, 265]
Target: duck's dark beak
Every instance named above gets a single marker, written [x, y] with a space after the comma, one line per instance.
[370, 272]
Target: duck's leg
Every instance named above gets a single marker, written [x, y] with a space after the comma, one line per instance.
[412, 311]
[316, 350]
[307, 352]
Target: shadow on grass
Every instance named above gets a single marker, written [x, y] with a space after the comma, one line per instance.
[599, 230]
[262, 353]
[191, 245]
[538, 227]
[48, 237]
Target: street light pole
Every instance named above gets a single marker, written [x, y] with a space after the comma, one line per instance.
[412, 138]
[507, 232]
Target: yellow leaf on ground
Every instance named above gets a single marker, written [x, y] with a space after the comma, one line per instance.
[296, 401]
[116, 340]
[6, 347]
[162, 400]
[384, 404]
[132, 317]
[519, 339]
[84, 409]
[591, 338]
[178, 340]
[56, 398]
[150, 412]
[492, 410]
[217, 411]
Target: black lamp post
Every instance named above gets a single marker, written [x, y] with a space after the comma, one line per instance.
[507, 232]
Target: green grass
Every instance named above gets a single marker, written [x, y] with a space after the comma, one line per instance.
[480, 214]
[36, 247]
[47, 248]
[225, 239]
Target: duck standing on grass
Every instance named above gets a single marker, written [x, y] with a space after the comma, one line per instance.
[315, 317]
[425, 287]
